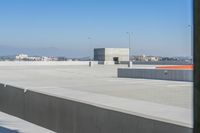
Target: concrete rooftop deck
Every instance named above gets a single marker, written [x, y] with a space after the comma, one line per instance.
[168, 101]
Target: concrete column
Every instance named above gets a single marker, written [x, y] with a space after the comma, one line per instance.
[196, 57]
[130, 64]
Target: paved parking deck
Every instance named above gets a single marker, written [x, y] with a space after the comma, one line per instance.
[169, 101]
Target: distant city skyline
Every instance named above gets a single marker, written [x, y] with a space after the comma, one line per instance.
[74, 27]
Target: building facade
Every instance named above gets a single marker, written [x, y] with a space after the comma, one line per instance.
[111, 54]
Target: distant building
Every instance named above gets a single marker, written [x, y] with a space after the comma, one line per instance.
[111, 54]
[21, 57]
[145, 58]
[152, 58]
[24, 57]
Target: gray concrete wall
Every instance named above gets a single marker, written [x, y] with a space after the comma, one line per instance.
[158, 62]
[175, 75]
[44, 63]
[99, 54]
[66, 116]
[121, 53]
[106, 62]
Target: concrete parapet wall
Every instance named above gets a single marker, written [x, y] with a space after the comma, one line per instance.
[158, 62]
[42, 63]
[175, 75]
[67, 116]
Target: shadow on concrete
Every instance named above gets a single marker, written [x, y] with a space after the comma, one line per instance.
[6, 130]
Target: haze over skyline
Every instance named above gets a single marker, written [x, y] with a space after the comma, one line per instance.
[62, 27]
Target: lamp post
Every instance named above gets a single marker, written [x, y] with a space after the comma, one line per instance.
[130, 50]
[191, 40]
[90, 49]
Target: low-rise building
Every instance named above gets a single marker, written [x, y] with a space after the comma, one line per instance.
[21, 57]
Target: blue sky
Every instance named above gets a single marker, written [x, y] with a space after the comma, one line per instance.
[62, 27]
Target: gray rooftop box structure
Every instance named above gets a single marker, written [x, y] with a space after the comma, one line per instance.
[111, 54]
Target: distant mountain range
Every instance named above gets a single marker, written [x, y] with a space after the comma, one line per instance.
[12, 50]
[38, 51]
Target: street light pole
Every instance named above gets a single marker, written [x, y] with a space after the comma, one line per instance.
[129, 34]
[90, 49]
[191, 40]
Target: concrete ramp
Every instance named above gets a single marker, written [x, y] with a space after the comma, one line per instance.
[84, 112]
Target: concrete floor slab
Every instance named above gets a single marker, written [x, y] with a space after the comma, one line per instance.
[168, 101]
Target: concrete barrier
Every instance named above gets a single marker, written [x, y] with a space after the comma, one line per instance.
[67, 116]
[106, 62]
[162, 74]
[159, 62]
[44, 63]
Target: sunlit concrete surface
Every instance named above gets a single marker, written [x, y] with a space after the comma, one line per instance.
[11, 124]
[168, 101]
[44, 63]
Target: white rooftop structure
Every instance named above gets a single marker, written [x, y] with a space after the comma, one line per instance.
[111, 54]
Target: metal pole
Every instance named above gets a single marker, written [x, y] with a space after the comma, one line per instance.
[131, 45]
[191, 40]
[90, 49]
[196, 56]
[129, 34]
[192, 47]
